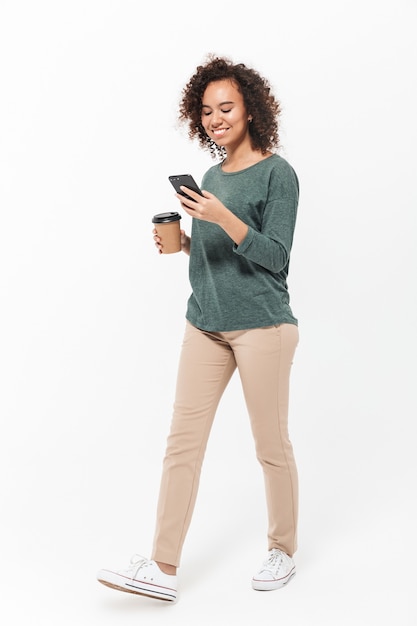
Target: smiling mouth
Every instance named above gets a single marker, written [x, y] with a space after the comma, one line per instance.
[219, 132]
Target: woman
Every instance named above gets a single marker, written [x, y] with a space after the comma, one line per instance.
[238, 316]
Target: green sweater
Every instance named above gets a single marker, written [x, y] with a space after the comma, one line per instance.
[235, 287]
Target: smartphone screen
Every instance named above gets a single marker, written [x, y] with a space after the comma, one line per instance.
[188, 181]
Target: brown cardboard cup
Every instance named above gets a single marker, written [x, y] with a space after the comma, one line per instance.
[167, 226]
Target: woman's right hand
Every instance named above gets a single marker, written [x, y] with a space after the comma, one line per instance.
[185, 242]
[157, 241]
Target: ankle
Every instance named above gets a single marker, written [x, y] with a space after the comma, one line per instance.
[166, 568]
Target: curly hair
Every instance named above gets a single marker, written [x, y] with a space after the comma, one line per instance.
[258, 98]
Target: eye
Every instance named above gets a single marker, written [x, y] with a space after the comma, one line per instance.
[226, 110]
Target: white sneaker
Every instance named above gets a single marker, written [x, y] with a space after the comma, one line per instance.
[276, 571]
[143, 577]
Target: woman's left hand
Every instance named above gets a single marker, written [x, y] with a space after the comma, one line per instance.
[209, 209]
[206, 207]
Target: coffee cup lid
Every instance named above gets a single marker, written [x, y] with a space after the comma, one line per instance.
[164, 218]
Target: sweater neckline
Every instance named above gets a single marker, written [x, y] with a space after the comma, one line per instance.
[245, 169]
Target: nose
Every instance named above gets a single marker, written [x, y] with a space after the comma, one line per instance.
[216, 118]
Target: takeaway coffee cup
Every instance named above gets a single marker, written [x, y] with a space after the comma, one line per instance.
[167, 226]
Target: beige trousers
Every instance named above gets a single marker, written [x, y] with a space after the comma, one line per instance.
[263, 357]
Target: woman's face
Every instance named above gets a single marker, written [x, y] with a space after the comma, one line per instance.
[223, 115]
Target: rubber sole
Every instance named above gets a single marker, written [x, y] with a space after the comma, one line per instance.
[137, 587]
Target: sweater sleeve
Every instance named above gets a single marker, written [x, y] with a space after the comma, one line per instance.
[271, 246]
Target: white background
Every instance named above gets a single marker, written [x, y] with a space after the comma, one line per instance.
[92, 317]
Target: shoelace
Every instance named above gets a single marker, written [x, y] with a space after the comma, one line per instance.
[274, 561]
[136, 563]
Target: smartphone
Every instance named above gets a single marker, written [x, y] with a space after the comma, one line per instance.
[187, 180]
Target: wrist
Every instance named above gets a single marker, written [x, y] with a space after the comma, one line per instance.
[234, 227]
